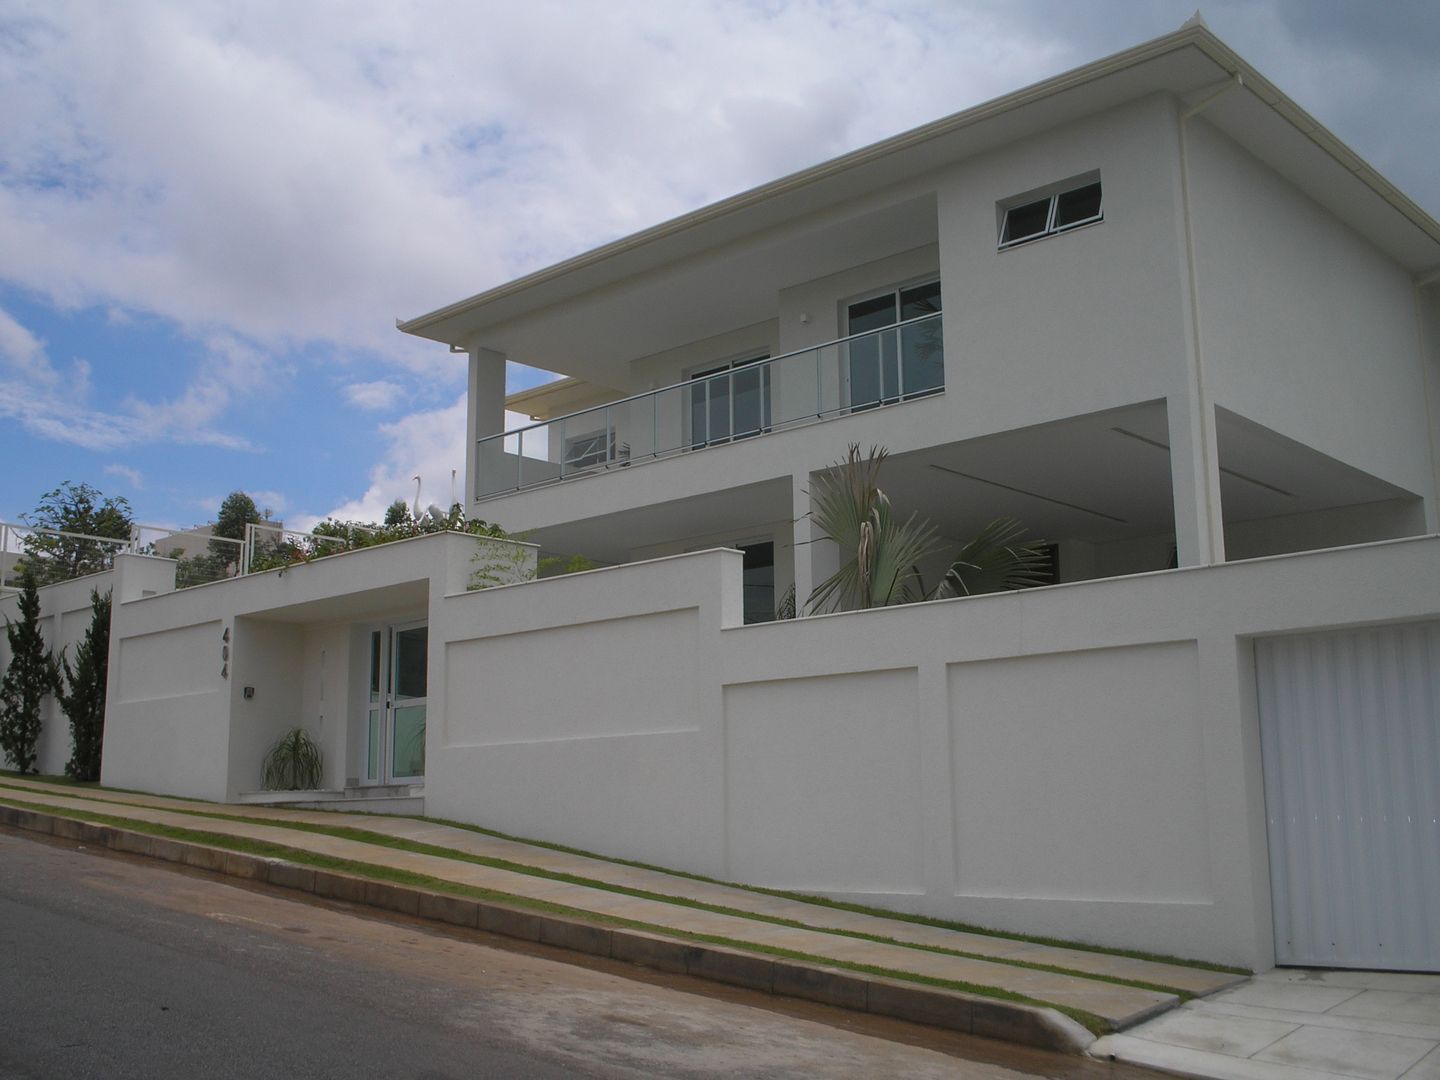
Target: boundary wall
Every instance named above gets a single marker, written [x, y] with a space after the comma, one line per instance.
[1080, 761]
[64, 618]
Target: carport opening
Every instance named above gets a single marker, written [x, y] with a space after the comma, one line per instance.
[1279, 496]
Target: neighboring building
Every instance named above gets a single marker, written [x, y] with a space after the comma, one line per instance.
[1152, 309]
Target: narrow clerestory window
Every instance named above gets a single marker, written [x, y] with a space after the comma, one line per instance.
[1067, 207]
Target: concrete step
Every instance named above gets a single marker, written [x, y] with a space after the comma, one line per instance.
[377, 799]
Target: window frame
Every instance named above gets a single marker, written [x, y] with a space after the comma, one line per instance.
[1052, 195]
[698, 383]
[895, 291]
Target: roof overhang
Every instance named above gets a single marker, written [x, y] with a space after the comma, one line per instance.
[1190, 64]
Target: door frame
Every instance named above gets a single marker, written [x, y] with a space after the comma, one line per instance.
[378, 732]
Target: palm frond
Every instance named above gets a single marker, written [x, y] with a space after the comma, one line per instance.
[996, 560]
[880, 552]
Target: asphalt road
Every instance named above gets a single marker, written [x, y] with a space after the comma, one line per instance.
[115, 967]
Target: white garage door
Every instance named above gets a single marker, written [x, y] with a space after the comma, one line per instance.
[1350, 738]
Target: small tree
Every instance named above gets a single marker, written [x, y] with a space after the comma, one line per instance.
[29, 676]
[82, 692]
[78, 509]
[397, 513]
[237, 511]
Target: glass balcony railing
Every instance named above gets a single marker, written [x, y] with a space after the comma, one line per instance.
[864, 371]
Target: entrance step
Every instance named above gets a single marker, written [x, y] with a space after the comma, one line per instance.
[375, 799]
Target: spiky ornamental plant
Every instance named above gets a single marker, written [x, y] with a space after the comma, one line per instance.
[294, 763]
[82, 691]
[883, 552]
[29, 676]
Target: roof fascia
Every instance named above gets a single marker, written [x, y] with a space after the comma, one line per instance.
[429, 325]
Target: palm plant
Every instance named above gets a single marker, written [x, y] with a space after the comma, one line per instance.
[883, 569]
[294, 763]
[994, 561]
[849, 507]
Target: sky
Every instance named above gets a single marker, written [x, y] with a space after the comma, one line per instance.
[212, 213]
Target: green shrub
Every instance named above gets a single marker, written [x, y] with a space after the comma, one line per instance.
[294, 763]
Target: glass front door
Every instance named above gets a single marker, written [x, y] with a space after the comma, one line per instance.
[395, 709]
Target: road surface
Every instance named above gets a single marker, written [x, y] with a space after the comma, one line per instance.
[114, 967]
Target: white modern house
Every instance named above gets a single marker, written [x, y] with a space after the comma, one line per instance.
[1150, 308]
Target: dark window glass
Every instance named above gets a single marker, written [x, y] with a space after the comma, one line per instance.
[919, 301]
[1082, 204]
[759, 578]
[410, 662]
[1024, 222]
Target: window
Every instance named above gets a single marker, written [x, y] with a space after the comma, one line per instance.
[902, 363]
[731, 401]
[759, 581]
[1072, 204]
[592, 448]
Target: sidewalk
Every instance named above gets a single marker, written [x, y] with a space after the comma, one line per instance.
[842, 957]
[1292, 1024]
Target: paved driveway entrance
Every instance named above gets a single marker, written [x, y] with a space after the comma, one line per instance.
[1291, 1024]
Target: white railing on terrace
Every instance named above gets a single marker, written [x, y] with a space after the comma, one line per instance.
[52, 555]
[267, 546]
[864, 371]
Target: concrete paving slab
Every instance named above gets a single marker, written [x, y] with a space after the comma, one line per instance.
[1427, 1068]
[1348, 1053]
[1392, 1005]
[1293, 997]
[1231, 1035]
[1361, 1036]
[1187, 1061]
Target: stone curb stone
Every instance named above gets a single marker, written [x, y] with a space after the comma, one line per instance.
[508, 922]
[455, 910]
[291, 876]
[652, 951]
[922, 1004]
[826, 986]
[1008, 1021]
[728, 966]
[575, 935]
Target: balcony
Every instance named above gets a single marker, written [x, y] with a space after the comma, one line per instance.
[864, 371]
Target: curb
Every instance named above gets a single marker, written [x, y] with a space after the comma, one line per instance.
[1009, 1021]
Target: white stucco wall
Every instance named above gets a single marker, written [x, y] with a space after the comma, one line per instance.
[1305, 326]
[1081, 761]
[177, 719]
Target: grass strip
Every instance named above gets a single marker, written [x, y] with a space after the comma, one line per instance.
[93, 785]
[396, 843]
[266, 849]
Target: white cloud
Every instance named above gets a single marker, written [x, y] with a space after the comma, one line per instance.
[374, 396]
[23, 353]
[34, 395]
[273, 501]
[133, 477]
[427, 444]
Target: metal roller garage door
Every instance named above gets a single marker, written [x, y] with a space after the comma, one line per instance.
[1350, 738]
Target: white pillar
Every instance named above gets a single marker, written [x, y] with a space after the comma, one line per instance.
[485, 413]
[816, 556]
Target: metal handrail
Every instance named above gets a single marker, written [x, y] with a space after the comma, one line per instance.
[636, 404]
[718, 375]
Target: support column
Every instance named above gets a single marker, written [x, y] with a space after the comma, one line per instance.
[485, 412]
[816, 556]
[1194, 477]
